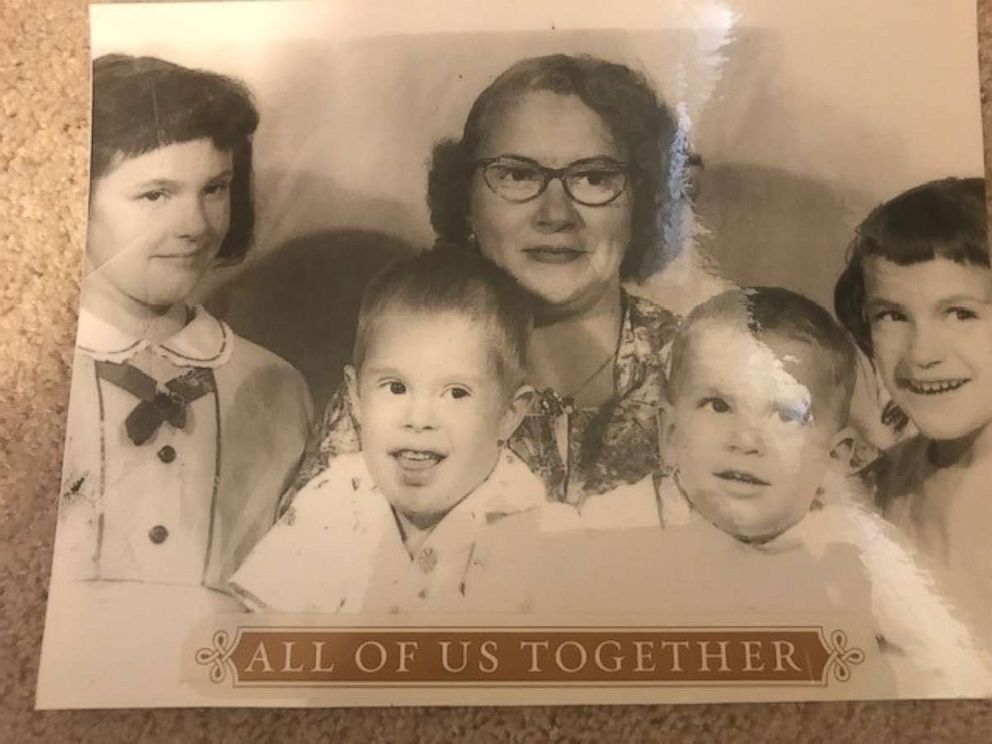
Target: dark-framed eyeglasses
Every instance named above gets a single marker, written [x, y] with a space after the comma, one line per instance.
[593, 183]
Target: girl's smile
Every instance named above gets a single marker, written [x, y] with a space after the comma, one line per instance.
[931, 331]
[932, 387]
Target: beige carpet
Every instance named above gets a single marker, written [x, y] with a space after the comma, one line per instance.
[43, 151]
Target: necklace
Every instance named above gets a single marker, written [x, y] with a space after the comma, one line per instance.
[553, 402]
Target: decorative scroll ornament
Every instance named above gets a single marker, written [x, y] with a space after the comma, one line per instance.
[218, 657]
[841, 657]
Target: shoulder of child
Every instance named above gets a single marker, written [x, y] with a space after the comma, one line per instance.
[269, 375]
[931, 650]
[627, 505]
[338, 511]
[251, 355]
[345, 484]
[899, 472]
[512, 487]
[840, 518]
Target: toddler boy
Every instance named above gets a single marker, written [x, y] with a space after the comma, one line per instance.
[757, 439]
[437, 389]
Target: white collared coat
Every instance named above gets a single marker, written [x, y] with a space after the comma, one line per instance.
[186, 506]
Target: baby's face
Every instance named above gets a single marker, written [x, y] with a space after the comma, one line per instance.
[157, 221]
[431, 410]
[750, 443]
[931, 330]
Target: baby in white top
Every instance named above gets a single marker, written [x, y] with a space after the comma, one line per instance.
[756, 434]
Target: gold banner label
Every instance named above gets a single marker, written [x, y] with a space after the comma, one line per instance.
[319, 657]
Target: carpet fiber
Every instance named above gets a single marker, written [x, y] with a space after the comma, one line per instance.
[43, 155]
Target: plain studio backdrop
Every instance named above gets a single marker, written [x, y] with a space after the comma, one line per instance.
[805, 115]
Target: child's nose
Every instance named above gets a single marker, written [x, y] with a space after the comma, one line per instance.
[191, 218]
[926, 346]
[746, 438]
[420, 413]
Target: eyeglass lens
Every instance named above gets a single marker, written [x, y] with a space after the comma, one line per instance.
[592, 185]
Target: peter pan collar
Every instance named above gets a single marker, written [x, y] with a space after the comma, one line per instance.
[205, 341]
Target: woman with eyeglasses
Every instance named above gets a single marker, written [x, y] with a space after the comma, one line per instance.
[563, 176]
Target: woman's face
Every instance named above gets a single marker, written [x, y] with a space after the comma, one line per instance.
[565, 253]
[157, 221]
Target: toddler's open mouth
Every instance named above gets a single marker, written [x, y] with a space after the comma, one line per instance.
[933, 387]
[411, 459]
[740, 476]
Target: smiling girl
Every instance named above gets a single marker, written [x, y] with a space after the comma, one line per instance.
[917, 295]
[180, 436]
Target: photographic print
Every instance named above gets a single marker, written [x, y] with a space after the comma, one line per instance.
[492, 355]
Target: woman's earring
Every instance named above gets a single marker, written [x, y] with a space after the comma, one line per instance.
[471, 241]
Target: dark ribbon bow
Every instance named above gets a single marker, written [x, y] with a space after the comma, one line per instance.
[158, 403]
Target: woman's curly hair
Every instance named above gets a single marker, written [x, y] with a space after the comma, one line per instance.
[143, 103]
[629, 107]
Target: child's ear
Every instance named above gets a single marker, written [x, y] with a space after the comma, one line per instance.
[515, 411]
[351, 391]
[850, 452]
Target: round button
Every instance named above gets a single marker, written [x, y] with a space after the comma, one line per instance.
[167, 453]
[158, 534]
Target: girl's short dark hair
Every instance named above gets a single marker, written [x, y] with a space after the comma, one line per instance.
[143, 103]
[626, 103]
[940, 219]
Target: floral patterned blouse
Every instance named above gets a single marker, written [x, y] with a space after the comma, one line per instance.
[577, 452]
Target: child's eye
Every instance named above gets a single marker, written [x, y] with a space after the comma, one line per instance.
[962, 313]
[458, 392]
[717, 405]
[153, 196]
[794, 414]
[396, 388]
[893, 316]
[217, 189]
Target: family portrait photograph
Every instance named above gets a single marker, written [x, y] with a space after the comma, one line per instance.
[487, 354]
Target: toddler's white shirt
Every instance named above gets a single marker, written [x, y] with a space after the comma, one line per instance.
[338, 548]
